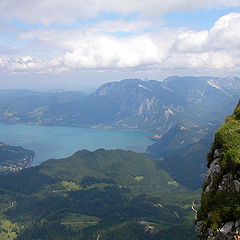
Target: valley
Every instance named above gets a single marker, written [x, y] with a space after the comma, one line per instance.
[107, 194]
[117, 120]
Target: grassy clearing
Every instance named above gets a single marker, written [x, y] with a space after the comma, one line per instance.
[139, 178]
[8, 230]
[228, 136]
[70, 186]
[77, 222]
[174, 183]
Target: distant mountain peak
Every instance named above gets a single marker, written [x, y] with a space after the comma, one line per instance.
[129, 104]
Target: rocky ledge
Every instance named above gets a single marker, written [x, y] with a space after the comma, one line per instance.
[228, 182]
[218, 217]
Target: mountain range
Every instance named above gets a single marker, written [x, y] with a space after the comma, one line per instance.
[129, 104]
[180, 114]
[117, 194]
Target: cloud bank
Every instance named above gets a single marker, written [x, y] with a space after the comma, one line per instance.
[60, 11]
[62, 37]
[92, 48]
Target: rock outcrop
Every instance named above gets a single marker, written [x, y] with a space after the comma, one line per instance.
[218, 217]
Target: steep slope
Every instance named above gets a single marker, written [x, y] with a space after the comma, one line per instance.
[182, 153]
[219, 214]
[14, 158]
[186, 165]
[115, 194]
[157, 106]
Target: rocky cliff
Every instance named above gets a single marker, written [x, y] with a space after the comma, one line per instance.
[219, 214]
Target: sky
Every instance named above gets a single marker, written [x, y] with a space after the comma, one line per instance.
[78, 45]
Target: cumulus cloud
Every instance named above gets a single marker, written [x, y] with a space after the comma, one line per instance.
[90, 48]
[27, 64]
[226, 32]
[202, 61]
[60, 11]
[215, 49]
[94, 47]
[21, 64]
[71, 39]
[109, 52]
[190, 41]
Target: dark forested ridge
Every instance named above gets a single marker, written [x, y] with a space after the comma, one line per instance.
[115, 194]
[14, 158]
[182, 153]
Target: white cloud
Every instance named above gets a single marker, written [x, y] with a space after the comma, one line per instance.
[22, 64]
[92, 47]
[27, 64]
[202, 61]
[190, 41]
[61, 11]
[109, 52]
[71, 39]
[113, 26]
[226, 32]
[217, 48]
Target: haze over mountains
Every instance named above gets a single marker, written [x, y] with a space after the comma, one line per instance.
[116, 193]
[126, 160]
[182, 113]
[129, 104]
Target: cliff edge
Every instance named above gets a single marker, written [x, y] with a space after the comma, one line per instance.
[218, 216]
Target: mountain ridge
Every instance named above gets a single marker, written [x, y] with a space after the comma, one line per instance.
[14, 158]
[112, 193]
[130, 104]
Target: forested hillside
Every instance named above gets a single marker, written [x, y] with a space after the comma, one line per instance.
[14, 158]
[113, 194]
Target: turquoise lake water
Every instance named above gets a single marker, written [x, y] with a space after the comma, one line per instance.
[57, 142]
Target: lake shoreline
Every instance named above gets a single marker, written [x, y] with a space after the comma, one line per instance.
[59, 142]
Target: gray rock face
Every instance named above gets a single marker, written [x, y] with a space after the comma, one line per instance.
[213, 171]
[217, 154]
[236, 185]
[201, 230]
[237, 224]
[227, 232]
[229, 181]
[227, 228]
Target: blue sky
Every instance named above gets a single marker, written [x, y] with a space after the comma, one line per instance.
[198, 19]
[73, 45]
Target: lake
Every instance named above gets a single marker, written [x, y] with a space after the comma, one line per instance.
[58, 142]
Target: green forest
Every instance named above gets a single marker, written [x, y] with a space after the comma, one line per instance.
[106, 194]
